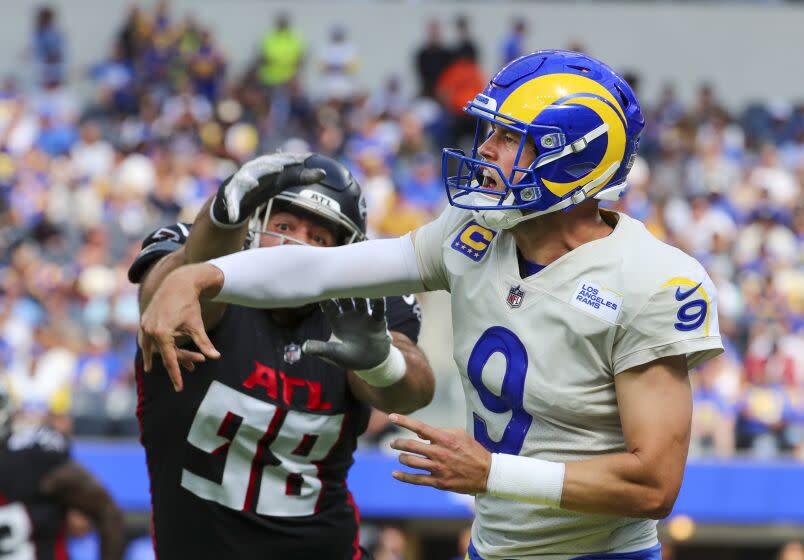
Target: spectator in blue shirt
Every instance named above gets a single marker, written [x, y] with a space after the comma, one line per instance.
[513, 45]
[421, 186]
[49, 47]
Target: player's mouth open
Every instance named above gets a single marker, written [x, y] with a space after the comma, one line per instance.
[489, 182]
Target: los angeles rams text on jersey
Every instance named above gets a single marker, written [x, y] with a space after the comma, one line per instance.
[539, 375]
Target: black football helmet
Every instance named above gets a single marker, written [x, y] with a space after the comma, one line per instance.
[337, 200]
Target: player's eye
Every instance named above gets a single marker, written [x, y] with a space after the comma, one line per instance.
[320, 240]
[282, 226]
[511, 138]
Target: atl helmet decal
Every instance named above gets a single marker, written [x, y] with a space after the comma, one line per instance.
[321, 199]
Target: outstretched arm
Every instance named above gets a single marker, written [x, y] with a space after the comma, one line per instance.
[275, 277]
[291, 276]
[75, 487]
[206, 241]
[222, 224]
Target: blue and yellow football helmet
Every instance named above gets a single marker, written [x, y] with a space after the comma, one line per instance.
[584, 121]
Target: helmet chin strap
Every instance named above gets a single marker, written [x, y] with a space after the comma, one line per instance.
[497, 219]
[508, 218]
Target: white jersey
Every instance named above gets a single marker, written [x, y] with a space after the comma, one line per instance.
[538, 357]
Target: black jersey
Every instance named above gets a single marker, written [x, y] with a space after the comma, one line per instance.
[251, 459]
[32, 526]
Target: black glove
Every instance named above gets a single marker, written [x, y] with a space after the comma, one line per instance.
[360, 338]
[256, 182]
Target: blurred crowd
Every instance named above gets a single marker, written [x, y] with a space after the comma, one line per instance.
[84, 179]
[727, 190]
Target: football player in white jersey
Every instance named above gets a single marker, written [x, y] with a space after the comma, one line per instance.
[574, 328]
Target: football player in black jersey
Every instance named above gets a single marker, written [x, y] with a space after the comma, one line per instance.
[38, 484]
[249, 459]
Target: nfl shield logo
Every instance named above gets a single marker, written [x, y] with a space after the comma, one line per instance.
[515, 296]
[292, 353]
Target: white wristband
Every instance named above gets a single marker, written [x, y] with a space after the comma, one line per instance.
[523, 479]
[391, 370]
